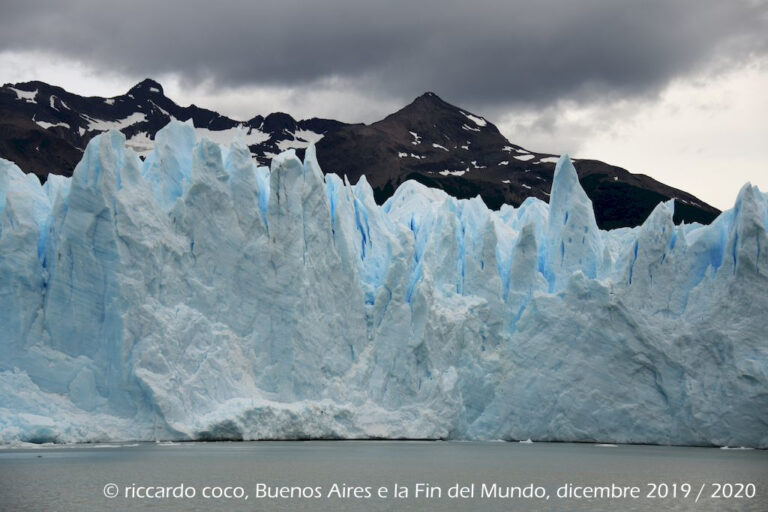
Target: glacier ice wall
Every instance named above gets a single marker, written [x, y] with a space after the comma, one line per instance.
[196, 296]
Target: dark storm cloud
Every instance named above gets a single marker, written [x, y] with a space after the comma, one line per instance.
[472, 52]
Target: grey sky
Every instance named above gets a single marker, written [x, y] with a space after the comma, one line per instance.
[356, 60]
[480, 52]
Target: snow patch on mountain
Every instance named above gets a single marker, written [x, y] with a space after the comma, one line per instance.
[250, 136]
[141, 143]
[102, 125]
[301, 139]
[479, 121]
[50, 125]
[28, 96]
[308, 136]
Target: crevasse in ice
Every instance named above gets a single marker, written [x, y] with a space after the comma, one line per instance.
[196, 296]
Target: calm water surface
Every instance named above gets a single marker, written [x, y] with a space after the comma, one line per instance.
[73, 478]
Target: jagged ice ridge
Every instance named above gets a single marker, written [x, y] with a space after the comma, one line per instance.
[196, 296]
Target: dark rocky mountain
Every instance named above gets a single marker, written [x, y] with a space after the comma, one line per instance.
[44, 129]
[446, 147]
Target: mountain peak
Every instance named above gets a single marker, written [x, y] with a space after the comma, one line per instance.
[429, 98]
[429, 95]
[425, 108]
[147, 86]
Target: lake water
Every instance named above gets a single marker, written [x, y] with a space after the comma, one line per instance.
[436, 476]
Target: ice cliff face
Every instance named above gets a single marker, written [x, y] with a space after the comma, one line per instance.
[196, 296]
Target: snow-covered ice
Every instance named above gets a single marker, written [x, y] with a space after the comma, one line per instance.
[197, 296]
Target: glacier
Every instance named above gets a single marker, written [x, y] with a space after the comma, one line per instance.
[195, 296]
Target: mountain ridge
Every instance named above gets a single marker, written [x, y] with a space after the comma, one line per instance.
[44, 129]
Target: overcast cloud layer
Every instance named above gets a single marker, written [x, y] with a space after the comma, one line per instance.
[476, 52]
[355, 60]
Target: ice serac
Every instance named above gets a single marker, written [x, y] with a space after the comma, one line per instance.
[573, 240]
[197, 296]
